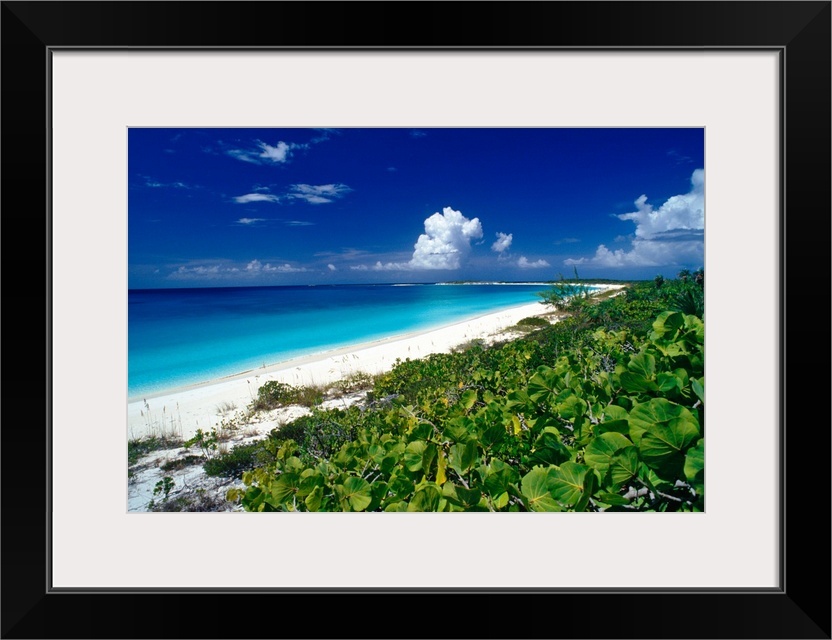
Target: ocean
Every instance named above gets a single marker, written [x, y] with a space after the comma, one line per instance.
[178, 337]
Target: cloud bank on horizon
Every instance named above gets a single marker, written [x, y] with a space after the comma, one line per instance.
[672, 234]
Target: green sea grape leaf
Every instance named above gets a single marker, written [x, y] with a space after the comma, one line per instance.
[469, 398]
[414, 455]
[676, 349]
[695, 327]
[656, 412]
[288, 448]
[429, 457]
[682, 374]
[498, 477]
[535, 489]
[313, 500]
[400, 487]
[567, 482]
[590, 486]
[663, 444]
[635, 383]
[550, 456]
[449, 492]
[624, 466]
[663, 431]
[388, 462]
[642, 364]
[613, 499]
[254, 498]
[695, 466]
[549, 448]
[293, 463]
[617, 426]
[517, 397]
[668, 323]
[421, 431]
[426, 498]
[568, 405]
[458, 430]
[379, 491]
[466, 498]
[668, 382]
[463, 456]
[500, 501]
[493, 435]
[377, 453]
[542, 384]
[600, 451]
[284, 488]
[356, 491]
[308, 484]
[698, 387]
[614, 412]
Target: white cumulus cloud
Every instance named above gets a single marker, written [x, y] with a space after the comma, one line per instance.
[445, 244]
[679, 212]
[525, 263]
[673, 234]
[332, 267]
[446, 241]
[502, 242]
[249, 221]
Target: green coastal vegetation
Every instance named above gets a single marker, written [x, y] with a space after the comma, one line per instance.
[601, 411]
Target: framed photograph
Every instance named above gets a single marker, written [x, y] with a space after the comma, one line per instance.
[83, 81]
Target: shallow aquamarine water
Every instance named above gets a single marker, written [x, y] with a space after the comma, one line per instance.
[182, 336]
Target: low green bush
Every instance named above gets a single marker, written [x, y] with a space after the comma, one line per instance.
[533, 321]
[239, 460]
[274, 394]
[295, 430]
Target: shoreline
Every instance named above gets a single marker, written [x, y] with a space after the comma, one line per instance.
[334, 352]
[185, 409]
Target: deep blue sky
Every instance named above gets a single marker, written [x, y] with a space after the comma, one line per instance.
[229, 207]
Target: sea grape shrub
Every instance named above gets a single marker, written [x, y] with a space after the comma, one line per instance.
[274, 394]
[533, 321]
[238, 460]
[615, 424]
[318, 435]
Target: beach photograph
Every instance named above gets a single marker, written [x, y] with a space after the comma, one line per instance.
[416, 320]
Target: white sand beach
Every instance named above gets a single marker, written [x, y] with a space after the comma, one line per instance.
[203, 406]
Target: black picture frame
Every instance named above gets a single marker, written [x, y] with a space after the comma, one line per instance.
[799, 608]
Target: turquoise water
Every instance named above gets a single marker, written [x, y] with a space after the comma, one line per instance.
[183, 336]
